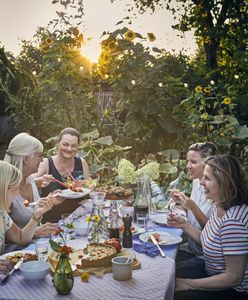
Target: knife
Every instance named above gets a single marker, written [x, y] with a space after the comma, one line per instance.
[16, 266]
[156, 243]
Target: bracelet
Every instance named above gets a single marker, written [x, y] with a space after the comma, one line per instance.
[36, 219]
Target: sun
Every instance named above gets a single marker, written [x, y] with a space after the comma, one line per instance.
[91, 51]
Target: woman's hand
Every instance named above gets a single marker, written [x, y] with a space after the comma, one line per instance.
[56, 198]
[184, 201]
[176, 221]
[45, 204]
[45, 230]
[182, 284]
[44, 180]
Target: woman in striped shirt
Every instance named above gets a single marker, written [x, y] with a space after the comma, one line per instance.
[224, 239]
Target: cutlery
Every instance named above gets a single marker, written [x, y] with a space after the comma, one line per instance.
[7, 277]
[156, 243]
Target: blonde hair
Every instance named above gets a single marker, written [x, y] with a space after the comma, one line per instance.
[10, 176]
[23, 144]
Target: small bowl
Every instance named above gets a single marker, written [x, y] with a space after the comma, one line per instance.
[122, 267]
[35, 270]
[80, 227]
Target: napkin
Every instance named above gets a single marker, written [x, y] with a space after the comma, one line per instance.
[146, 248]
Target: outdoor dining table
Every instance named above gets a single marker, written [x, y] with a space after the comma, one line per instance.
[154, 280]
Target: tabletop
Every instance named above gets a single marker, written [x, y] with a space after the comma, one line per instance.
[154, 280]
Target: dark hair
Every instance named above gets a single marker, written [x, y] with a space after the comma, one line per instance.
[71, 131]
[205, 149]
[231, 179]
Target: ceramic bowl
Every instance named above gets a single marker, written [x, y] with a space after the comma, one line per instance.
[80, 227]
[35, 270]
[122, 268]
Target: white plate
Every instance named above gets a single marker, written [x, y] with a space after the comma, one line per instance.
[69, 194]
[138, 230]
[15, 252]
[160, 219]
[165, 238]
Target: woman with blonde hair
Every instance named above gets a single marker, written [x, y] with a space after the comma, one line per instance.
[26, 152]
[10, 178]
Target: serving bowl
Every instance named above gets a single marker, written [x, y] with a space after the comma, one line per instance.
[35, 270]
[80, 227]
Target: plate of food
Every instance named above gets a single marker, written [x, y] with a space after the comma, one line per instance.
[69, 194]
[15, 256]
[115, 192]
[163, 238]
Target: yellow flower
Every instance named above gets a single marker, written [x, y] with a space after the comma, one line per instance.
[198, 89]
[44, 48]
[207, 90]
[96, 218]
[227, 101]
[48, 41]
[112, 45]
[151, 37]
[88, 218]
[85, 276]
[130, 35]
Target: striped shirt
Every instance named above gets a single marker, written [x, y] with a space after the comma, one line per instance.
[226, 235]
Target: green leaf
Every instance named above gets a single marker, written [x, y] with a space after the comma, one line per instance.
[55, 245]
[170, 154]
[93, 134]
[105, 140]
[167, 168]
[242, 132]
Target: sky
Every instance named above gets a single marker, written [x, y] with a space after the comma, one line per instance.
[19, 19]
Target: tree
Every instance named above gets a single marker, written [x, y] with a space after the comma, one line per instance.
[220, 26]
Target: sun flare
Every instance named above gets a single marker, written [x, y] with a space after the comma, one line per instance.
[91, 51]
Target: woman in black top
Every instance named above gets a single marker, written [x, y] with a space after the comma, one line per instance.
[60, 166]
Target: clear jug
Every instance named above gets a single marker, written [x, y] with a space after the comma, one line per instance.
[97, 228]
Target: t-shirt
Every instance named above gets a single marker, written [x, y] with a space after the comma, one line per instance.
[226, 235]
[5, 224]
[19, 213]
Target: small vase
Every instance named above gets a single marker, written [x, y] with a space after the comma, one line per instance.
[63, 280]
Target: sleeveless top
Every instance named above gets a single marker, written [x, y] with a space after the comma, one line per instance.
[78, 167]
[19, 213]
[67, 206]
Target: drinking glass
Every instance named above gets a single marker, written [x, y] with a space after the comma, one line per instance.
[142, 218]
[41, 249]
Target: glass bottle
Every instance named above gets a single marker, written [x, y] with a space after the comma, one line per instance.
[63, 279]
[141, 202]
[114, 227]
[97, 227]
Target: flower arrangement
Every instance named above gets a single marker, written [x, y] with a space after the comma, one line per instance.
[97, 229]
[128, 175]
[60, 246]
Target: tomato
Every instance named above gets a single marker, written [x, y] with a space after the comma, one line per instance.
[115, 243]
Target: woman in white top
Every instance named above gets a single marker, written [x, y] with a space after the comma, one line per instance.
[198, 207]
[25, 153]
[10, 178]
